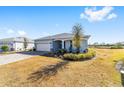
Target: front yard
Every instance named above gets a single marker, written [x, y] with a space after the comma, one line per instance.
[99, 71]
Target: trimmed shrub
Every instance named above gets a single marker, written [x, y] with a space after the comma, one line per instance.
[61, 52]
[70, 56]
[5, 48]
[30, 50]
[81, 56]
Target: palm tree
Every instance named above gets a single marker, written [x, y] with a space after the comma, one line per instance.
[77, 31]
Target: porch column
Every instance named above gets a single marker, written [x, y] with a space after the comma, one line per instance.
[62, 44]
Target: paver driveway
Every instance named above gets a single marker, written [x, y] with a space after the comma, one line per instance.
[5, 59]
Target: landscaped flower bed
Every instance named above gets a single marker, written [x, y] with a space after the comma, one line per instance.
[80, 56]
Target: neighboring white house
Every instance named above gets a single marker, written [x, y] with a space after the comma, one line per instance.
[17, 43]
[60, 41]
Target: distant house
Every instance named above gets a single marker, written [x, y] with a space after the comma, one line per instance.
[17, 43]
[60, 41]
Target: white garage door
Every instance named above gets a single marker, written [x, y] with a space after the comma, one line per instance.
[43, 47]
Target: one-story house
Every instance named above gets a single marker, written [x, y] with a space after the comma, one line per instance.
[17, 43]
[60, 41]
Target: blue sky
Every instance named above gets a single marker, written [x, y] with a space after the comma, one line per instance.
[104, 24]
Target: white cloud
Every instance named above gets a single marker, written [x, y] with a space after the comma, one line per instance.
[10, 31]
[111, 16]
[92, 14]
[22, 33]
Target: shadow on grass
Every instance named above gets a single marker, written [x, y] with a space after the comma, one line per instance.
[46, 72]
[122, 79]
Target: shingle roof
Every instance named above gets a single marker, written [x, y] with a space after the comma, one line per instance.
[62, 35]
[17, 39]
[6, 39]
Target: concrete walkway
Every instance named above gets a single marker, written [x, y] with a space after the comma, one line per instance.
[5, 59]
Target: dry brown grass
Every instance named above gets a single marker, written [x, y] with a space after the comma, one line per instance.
[15, 74]
[96, 72]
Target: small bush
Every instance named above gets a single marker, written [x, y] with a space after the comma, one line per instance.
[61, 52]
[71, 56]
[5, 48]
[81, 56]
[30, 50]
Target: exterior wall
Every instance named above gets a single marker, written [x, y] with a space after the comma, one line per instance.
[48, 45]
[83, 46]
[45, 45]
[30, 46]
[19, 46]
[9, 44]
[16, 44]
